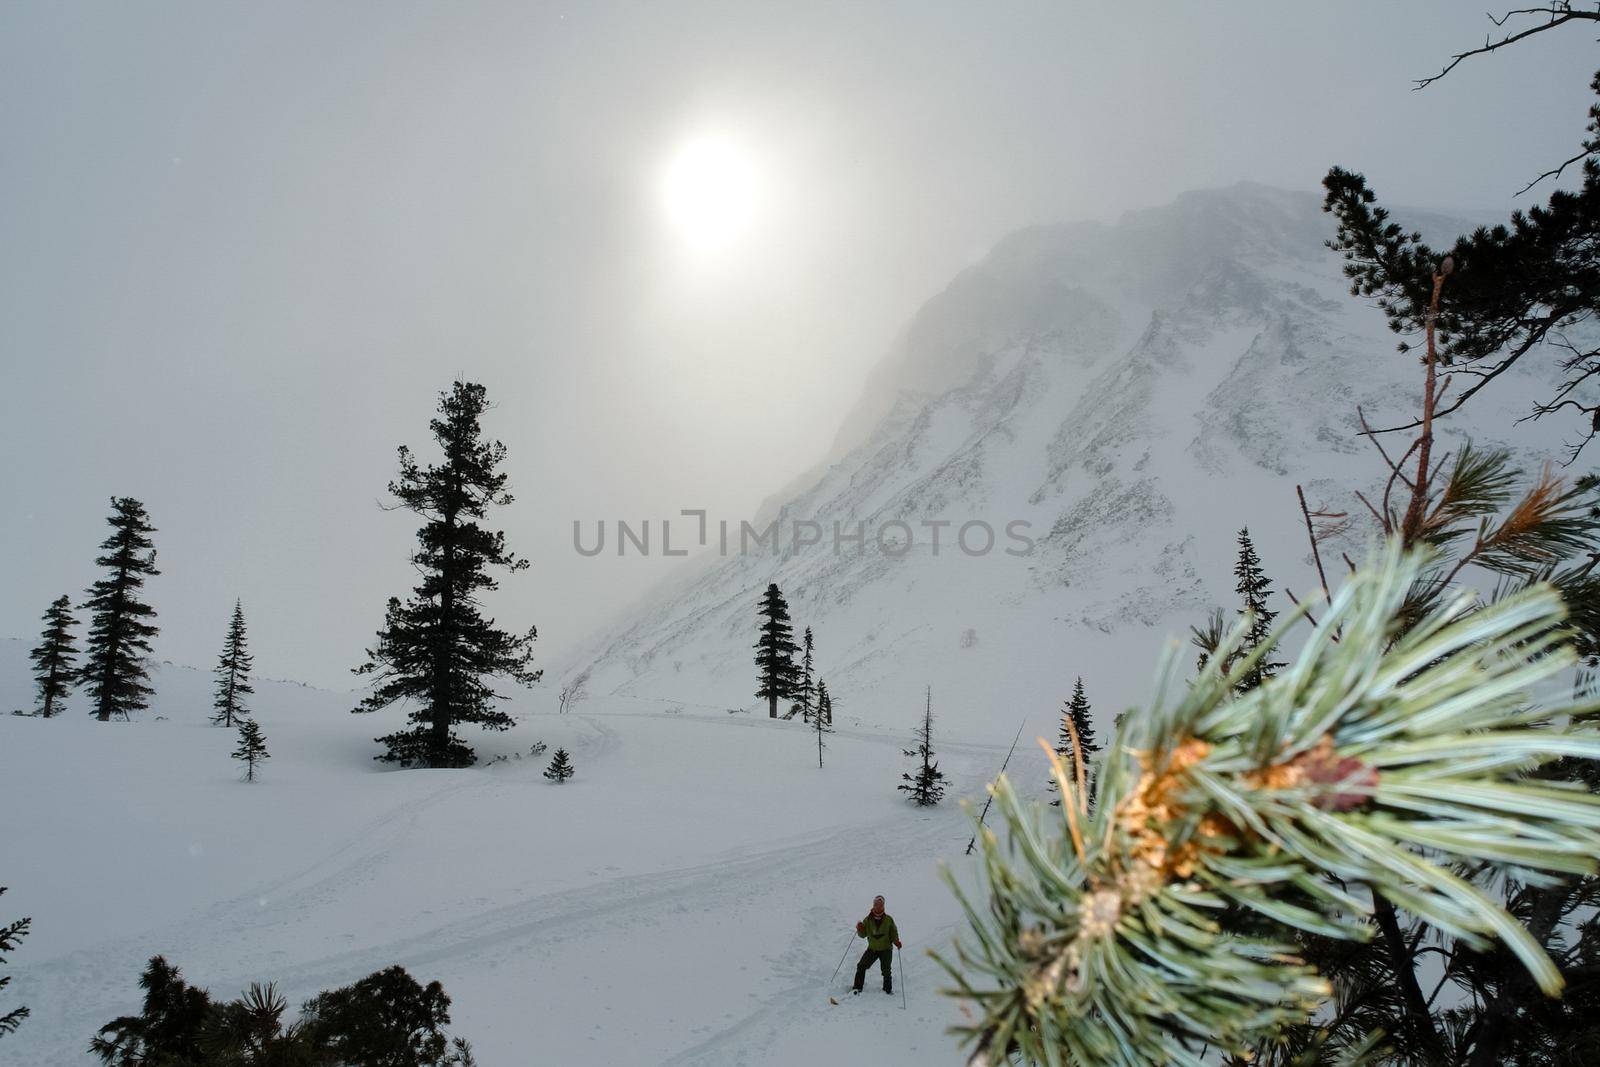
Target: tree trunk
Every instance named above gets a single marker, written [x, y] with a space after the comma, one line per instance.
[772, 705]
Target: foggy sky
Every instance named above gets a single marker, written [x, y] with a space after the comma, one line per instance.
[244, 246]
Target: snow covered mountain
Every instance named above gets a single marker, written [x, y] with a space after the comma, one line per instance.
[1131, 395]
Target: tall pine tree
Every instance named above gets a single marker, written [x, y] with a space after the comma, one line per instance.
[926, 784]
[1075, 717]
[233, 673]
[437, 648]
[252, 747]
[54, 657]
[775, 651]
[119, 635]
[1253, 589]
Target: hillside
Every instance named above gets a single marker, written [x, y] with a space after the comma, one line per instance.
[683, 900]
[1133, 394]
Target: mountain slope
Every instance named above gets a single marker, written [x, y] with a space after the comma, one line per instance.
[1132, 394]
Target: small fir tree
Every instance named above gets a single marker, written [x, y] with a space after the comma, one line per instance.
[560, 768]
[1075, 719]
[775, 651]
[10, 936]
[822, 719]
[54, 657]
[1253, 589]
[926, 784]
[805, 689]
[252, 747]
[117, 666]
[437, 648]
[233, 673]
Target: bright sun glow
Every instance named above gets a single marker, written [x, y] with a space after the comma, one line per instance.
[710, 192]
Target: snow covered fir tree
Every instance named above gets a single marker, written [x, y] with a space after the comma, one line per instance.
[233, 673]
[116, 658]
[54, 658]
[925, 784]
[1249, 534]
[252, 747]
[437, 648]
[11, 935]
[1075, 738]
[775, 648]
[560, 768]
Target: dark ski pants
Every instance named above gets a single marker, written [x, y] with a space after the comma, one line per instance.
[883, 957]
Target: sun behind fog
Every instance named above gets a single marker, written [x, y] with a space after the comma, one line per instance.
[709, 192]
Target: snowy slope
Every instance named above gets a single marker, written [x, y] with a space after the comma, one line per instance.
[683, 900]
[1134, 393]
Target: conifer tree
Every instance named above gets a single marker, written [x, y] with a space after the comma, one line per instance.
[805, 690]
[775, 651]
[54, 657]
[438, 649]
[823, 718]
[1523, 288]
[252, 747]
[1075, 718]
[1253, 589]
[10, 935]
[116, 665]
[233, 673]
[560, 768]
[926, 784]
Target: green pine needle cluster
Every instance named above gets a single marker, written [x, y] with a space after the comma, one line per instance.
[1382, 756]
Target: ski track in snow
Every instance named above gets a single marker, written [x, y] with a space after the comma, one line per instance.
[265, 931]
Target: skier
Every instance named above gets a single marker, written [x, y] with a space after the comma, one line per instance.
[879, 930]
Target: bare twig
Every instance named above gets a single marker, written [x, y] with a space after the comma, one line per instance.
[1560, 12]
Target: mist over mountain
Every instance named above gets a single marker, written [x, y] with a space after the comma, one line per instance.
[1113, 398]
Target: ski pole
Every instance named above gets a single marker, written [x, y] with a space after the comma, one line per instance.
[847, 945]
[902, 956]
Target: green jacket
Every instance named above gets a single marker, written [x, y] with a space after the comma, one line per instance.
[880, 933]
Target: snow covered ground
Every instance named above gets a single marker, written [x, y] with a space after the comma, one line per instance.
[683, 900]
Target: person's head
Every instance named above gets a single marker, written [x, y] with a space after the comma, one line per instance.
[877, 905]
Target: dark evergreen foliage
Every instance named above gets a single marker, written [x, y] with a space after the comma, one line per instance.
[775, 651]
[560, 768]
[926, 784]
[167, 1032]
[252, 747]
[233, 673]
[822, 720]
[1516, 287]
[116, 666]
[55, 656]
[1076, 711]
[387, 1019]
[1253, 589]
[437, 649]
[10, 936]
[806, 688]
